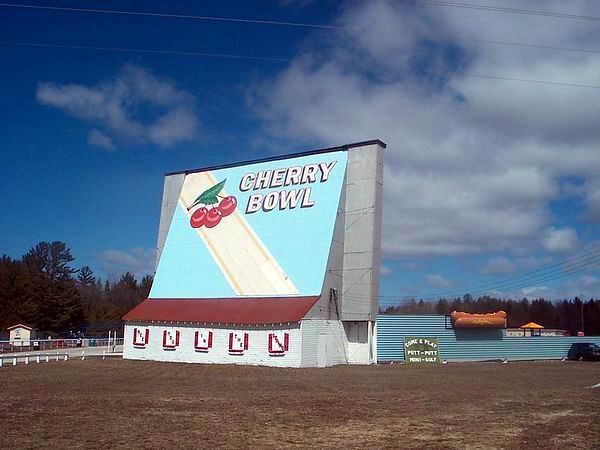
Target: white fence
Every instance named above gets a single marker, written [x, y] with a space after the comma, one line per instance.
[37, 358]
[54, 344]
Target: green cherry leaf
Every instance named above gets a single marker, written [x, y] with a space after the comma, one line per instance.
[209, 196]
[210, 200]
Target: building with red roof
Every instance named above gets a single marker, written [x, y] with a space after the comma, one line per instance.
[271, 262]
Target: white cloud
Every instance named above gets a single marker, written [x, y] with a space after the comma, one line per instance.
[535, 292]
[471, 164]
[175, 126]
[386, 271]
[138, 261]
[117, 106]
[99, 139]
[589, 281]
[411, 265]
[585, 286]
[438, 281]
[560, 240]
[592, 199]
[501, 265]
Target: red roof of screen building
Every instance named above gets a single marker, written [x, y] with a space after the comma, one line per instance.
[237, 310]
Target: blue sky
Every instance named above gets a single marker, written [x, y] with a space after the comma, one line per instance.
[485, 179]
[97, 200]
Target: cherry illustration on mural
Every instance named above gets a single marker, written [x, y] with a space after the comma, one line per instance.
[208, 214]
[199, 217]
[227, 205]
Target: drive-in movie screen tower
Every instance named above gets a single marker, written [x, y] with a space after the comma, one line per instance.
[271, 262]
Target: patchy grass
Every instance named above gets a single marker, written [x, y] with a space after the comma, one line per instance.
[116, 403]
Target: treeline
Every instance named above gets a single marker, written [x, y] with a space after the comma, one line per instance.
[44, 290]
[564, 314]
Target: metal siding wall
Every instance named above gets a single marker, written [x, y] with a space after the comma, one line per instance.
[362, 233]
[171, 190]
[325, 308]
[467, 345]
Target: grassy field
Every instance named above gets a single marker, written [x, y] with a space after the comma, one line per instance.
[116, 403]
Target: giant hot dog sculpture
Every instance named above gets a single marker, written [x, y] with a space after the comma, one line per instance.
[468, 320]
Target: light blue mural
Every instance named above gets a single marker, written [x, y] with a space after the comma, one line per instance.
[290, 205]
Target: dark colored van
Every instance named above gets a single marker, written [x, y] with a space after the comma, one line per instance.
[584, 351]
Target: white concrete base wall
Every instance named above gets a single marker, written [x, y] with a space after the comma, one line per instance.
[257, 353]
[313, 343]
[358, 341]
[324, 343]
[362, 342]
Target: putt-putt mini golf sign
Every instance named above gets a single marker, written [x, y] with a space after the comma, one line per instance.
[421, 350]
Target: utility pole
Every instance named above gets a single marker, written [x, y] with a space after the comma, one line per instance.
[582, 321]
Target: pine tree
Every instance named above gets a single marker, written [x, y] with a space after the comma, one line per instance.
[85, 276]
[50, 259]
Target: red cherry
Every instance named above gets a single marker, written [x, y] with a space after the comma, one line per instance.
[213, 217]
[227, 205]
[199, 217]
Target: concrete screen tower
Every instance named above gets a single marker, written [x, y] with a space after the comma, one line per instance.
[272, 262]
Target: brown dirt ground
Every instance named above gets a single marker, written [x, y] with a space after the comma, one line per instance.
[116, 403]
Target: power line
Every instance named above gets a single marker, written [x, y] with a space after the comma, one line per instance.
[527, 80]
[275, 59]
[511, 287]
[523, 44]
[508, 10]
[583, 258]
[591, 265]
[530, 283]
[580, 268]
[500, 290]
[172, 16]
[301, 24]
[149, 51]
[280, 23]
[585, 261]
[583, 265]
